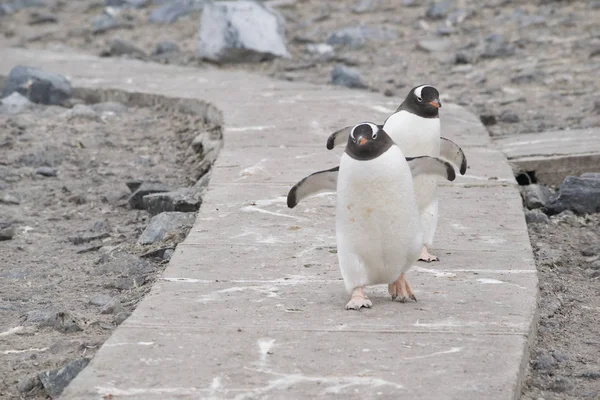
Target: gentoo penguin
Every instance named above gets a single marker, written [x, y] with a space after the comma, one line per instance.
[415, 127]
[377, 239]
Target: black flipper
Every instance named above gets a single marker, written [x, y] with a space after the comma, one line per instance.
[452, 152]
[431, 166]
[322, 181]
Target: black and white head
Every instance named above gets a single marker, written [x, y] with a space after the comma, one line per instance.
[423, 101]
[367, 141]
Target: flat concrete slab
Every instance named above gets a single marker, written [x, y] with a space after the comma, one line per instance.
[553, 155]
[252, 303]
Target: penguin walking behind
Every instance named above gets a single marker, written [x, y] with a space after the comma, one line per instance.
[378, 228]
[416, 128]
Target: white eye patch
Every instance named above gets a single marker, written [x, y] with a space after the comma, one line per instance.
[419, 90]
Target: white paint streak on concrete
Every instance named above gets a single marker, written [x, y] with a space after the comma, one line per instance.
[6, 352]
[305, 156]
[265, 346]
[489, 281]
[254, 169]
[249, 128]
[268, 202]
[114, 391]
[435, 272]
[452, 272]
[183, 280]
[439, 353]
[260, 210]
[11, 331]
[485, 178]
[129, 344]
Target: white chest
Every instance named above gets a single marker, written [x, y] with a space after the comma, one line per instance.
[416, 136]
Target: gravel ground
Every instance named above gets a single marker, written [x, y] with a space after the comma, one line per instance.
[521, 66]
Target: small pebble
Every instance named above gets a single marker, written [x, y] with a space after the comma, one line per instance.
[46, 171]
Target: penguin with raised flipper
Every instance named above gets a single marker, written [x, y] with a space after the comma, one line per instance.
[378, 226]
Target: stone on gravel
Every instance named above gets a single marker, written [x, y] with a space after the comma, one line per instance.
[114, 306]
[134, 184]
[46, 171]
[544, 362]
[38, 19]
[61, 321]
[7, 231]
[509, 117]
[167, 224]
[15, 103]
[439, 9]
[10, 7]
[562, 385]
[86, 237]
[8, 198]
[496, 46]
[81, 111]
[364, 6]
[357, 36]
[346, 76]
[488, 119]
[536, 217]
[535, 196]
[55, 381]
[105, 22]
[165, 48]
[127, 3]
[168, 254]
[120, 47]
[121, 317]
[184, 200]
[38, 85]
[100, 300]
[434, 45]
[171, 11]
[26, 385]
[578, 194]
[136, 200]
[527, 74]
[241, 31]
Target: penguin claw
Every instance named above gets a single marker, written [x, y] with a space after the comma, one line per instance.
[401, 290]
[358, 300]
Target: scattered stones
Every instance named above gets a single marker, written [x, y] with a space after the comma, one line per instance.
[171, 11]
[10, 7]
[183, 200]
[37, 85]
[535, 196]
[496, 46]
[38, 19]
[364, 6]
[136, 200]
[439, 9]
[105, 22]
[165, 48]
[114, 306]
[56, 381]
[46, 171]
[434, 45]
[50, 156]
[488, 119]
[167, 224]
[81, 111]
[15, 103]
[86, 237]
[241, 31]
[121, 317]
[348, 77]
[544, 362]
[323, 50]
[536, 217]
[61, 321]
[119, 47]
[100, 300]
[509, 117]
[7, 231]
[592, 375]
[562, 385]
[26, 385]
[578, 194]
[527, 74]
[357, 36]
[8, 198]
[127, 3]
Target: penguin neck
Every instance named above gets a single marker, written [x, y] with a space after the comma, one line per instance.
[415, 108]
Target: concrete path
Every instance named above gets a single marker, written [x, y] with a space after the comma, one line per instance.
[252, 303]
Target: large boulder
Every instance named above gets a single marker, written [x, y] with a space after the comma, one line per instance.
[37, 85]
[241, 31]
[578, 194]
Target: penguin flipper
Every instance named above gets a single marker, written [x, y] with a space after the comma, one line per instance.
[431, 166]
[338, 137]
[322, 181]
[452, 152]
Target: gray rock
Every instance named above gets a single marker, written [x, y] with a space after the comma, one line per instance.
[127, 3]
[105, 22]
[591, 175]
[562, 385]
[527, 74]
[47, 157]
[100, 300]
[535, 196]
[544, 363]
[10, 7]
[37, 85]
[358, 36]
[349, 77]
[168, 254]
[8, 198]
[364, 6]
[434, 45]
[112, 307]
[444, 30]
[56, 381]
[171, 11]
[121, 317]
[592, 375]
[15, 103]
[39, 19]
[207, 145]
[119, 47]
[134, 184]
[509, 117]
[526, 20]
[82, 112]
[488, 119]
[411, 3]
[496, 46]
[458, 17]
[62, 321]
[7, 231]
[86, 237]
[595, 265]
[184, 200]
[3, 185]
[467, 56]
[165, 48]
[167, 224]
[26, 385]
[580, 195]
[323, 50]
[595, 4]
[241, 31]
[46, 171]
[136, 200]
[439, 9]
[536, 217]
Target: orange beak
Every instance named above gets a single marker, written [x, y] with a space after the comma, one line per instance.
[362, 141]
[436, 103]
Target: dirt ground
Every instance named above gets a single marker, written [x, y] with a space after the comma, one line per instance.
[544, 77]
[73, 270]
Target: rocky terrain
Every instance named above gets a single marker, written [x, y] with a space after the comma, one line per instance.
[522, 67]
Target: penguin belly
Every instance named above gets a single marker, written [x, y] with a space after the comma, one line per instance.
[418, 136]
[378, 227]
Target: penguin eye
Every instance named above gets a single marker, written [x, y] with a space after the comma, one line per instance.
[420, 100]
[374, 136]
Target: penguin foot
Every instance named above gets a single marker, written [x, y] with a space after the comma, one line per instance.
[358, 300]
[401, 290]
[426, 256]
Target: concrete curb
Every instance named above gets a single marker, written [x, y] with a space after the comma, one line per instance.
[251, 304]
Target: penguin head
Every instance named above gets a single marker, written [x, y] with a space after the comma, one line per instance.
[367, 141]
[423, 101]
